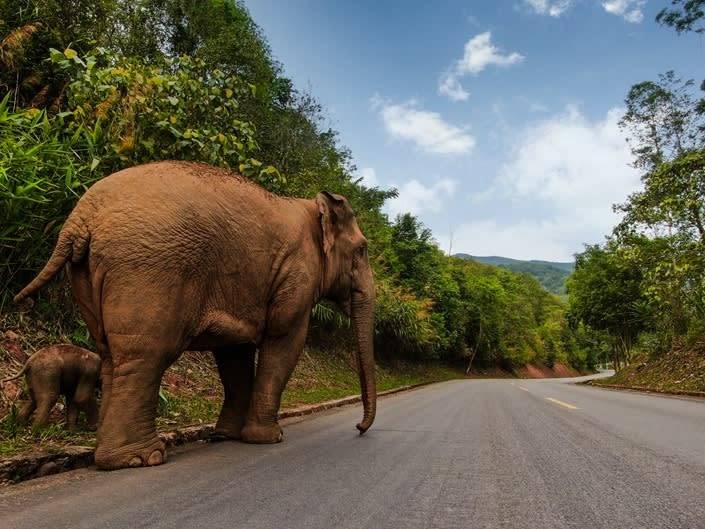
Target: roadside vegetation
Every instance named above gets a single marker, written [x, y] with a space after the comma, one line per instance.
[641, 294]
[92, 86]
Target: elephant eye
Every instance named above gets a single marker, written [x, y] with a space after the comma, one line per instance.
[362, 250]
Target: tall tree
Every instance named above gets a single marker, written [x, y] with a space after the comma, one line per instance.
[662, 120]
[605, 294]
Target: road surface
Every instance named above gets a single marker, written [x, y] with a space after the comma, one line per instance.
[467, 454]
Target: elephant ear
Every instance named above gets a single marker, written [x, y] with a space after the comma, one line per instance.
[328, 206]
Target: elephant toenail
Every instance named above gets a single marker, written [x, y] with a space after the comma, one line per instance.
[281, 436]
[155, 458]
[136, 461]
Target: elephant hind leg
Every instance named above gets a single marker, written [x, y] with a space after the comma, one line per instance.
[45, 392]
[106, 384]
[71, 413]
[236, 366]
[127, 434]
[26, 410]
[45, 403]
[88, 300]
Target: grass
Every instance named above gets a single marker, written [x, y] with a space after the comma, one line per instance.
[682, 369]
[321, 376]
[191, 394]
[16, 438]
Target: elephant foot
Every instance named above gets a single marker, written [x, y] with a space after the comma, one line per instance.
[262, 433]
[228, 429]
[147, 454]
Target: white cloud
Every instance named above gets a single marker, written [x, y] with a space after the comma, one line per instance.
[630, 10]
[575, 165]
[369, 177]
[554, 8]
[428, 130]
[415, 197]
[566, 171]
[479, 53]
[448, 85]
[526, 239]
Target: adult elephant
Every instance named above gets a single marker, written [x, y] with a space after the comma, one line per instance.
[175, 256]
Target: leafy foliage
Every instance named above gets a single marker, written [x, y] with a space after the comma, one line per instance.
[606, 295]
[552, 276]
[118, 113]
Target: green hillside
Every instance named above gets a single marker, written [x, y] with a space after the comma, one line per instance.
[551, 275]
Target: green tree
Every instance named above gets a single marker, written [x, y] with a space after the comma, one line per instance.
[605, 294]
[672, 200]
[662, 120]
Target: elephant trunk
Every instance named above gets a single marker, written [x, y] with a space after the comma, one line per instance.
[363, 306]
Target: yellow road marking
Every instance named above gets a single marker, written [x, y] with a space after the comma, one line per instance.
[564, 404]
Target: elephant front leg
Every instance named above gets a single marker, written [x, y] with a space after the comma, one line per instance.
[84, 399]
[276, 361]
[236, 367]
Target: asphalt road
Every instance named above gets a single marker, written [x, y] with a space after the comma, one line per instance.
[470, 454]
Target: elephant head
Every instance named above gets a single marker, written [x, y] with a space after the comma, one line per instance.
[348, 282]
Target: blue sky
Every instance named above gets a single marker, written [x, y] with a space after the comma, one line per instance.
[495, 120]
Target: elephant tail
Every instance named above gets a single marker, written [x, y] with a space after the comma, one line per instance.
[18, 375]
[71, 246]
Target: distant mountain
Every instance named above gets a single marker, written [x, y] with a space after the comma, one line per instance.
[550, 274]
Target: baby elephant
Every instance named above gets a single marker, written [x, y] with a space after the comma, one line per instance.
[61, 370]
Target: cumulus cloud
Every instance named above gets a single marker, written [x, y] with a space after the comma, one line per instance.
[426, 129]
[569, 171]
[554, 8]
[368, 176]
[449, 86]
[630, 10]
[526, 239]
[575, 165]
[479, 53]
[415, 197]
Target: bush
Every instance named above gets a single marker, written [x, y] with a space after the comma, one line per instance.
[119, 113]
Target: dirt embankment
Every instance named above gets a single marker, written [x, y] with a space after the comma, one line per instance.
[542, 371]
[558, 370]
[680, 370]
